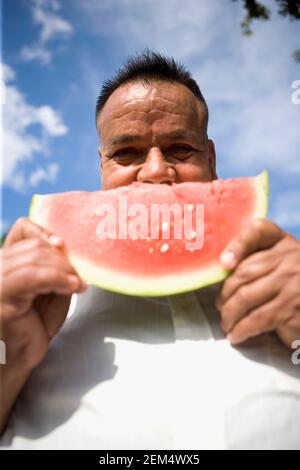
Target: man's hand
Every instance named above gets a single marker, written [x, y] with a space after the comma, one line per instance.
[263, 292]
[36, 287]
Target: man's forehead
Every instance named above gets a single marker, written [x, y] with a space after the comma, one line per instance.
[139, 97]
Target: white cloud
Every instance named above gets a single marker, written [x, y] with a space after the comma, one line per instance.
[37, 52]
[44, 174]
[249, 91]
[50, 120]
[23, 143]
[7, 73]
[52, 26]
[172, 27]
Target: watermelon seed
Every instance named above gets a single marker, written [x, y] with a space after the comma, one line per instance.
[151, 249]
[164, 247]
[191, 235]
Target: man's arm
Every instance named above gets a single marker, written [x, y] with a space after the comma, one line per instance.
[37, 282]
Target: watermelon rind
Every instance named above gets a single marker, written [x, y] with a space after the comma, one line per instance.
[262, 194]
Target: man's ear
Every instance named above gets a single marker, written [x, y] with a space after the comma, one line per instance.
[99, 153]
[101, 165]
[212, 159]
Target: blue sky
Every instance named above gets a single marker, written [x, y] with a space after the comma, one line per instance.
[56, 54]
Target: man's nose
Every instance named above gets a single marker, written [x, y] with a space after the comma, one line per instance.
[156, 169]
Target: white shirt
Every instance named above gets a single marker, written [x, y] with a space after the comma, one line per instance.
[156, 373]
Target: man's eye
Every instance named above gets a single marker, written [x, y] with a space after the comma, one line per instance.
[181, 148]
[180, 151]
[125, 155]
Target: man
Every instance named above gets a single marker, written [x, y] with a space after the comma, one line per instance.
[125, 372]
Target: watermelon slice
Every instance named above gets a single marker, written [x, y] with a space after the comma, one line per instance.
[153, 240]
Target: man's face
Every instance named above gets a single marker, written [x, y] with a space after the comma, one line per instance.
[154, 133]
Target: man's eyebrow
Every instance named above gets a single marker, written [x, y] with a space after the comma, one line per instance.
[124, 139]
[179, 134]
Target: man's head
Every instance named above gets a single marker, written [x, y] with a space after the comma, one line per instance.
[152, 122]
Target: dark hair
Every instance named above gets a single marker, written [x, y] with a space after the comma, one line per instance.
[149, 66]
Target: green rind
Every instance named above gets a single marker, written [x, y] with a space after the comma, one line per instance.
[263, 188]
[32, 206]
[166, 285]
[33, 209]
[149, 286]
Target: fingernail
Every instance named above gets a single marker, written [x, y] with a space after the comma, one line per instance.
[232, 339]
[225, 328]
[228, 259]
[55, 240]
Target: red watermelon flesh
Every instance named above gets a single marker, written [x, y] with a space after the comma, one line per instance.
[148, 263]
